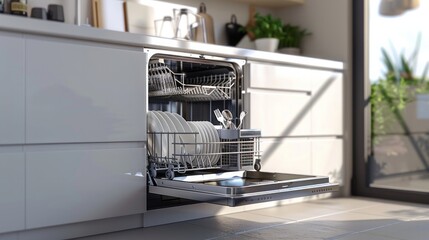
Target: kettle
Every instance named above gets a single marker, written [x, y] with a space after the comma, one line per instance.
[205, 32]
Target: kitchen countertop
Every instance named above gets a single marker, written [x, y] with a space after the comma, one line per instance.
[54, 29]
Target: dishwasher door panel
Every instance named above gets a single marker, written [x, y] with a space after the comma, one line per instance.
[242, 187]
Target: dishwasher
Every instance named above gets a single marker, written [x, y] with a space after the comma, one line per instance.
[198, 148]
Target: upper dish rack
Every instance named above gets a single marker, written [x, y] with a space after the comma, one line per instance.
[163, 82]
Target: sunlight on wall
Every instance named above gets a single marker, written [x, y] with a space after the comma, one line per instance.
[397, 34]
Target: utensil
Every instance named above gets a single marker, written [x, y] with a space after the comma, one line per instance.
[242, 115]
[228, 116]
[220, 117]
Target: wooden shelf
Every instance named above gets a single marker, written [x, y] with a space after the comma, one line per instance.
[272, 3]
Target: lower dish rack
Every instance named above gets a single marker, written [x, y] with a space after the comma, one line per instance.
[237, 149]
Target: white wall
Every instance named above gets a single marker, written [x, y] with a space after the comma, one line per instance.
[329, 23]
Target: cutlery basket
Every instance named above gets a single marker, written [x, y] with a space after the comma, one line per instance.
[240, 148]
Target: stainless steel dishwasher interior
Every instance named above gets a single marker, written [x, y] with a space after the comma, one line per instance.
[193, 86]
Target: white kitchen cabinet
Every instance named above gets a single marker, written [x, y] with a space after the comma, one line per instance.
[12, 89]
[12, 192]
[327, 158]
[82, 92]
[287, 101]
[286, 155]
[81, 185]
[279, 114]
[327, 110]
[277, 99]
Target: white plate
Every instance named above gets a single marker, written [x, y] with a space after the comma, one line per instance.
[207, 146]
[209, 140]
[209, 127]
[186, 138]
[166, 129]
[198, 136]
[154, 125]
[216, 143]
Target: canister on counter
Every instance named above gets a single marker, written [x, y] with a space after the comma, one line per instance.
[18, 7]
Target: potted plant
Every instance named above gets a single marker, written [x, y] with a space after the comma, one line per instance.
[267, 32]
[290, 42]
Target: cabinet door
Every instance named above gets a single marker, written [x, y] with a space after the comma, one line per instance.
[278, 114]
[293, 101]
[12, 89]
[12, 193]
[277, 100]
[327, 159]
[327, 111]
[74, 186]
[286, 155]
[77, 92]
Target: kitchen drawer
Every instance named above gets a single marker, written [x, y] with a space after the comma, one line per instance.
[84, 93]
[271, 76]
[12, 192]
[81, 185]
[12, 89]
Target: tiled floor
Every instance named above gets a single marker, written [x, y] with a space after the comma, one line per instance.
[344, 218]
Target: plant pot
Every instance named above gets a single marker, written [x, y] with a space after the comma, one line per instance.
[267, 44]
[292, 51]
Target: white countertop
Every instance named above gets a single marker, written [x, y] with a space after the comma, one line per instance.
[54, 29]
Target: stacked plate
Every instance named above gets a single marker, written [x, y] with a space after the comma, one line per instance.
[173, 136]
[210, 142]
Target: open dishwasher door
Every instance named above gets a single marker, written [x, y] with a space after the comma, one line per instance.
[239, 188]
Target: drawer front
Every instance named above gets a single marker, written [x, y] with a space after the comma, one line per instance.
[12, 192]
[84, 93]
[12, 89]
[81, 185]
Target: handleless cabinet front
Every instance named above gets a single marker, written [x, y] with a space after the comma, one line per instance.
[81, 185]
[12, 191]
[12, 88]
[83, 92]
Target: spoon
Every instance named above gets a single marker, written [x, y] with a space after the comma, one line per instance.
[242, 115]
[228, 117]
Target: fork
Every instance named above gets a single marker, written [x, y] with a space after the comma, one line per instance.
[220, 117]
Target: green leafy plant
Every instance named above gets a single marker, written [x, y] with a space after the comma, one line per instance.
[266, 27]
[292, 36]
[399, 86]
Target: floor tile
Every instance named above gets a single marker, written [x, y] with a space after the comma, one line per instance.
[406, 230]
[397, 210]
[297, 231]
[345, 203]
[297, 211]
[238, 222]
[363, 236]
[354, 221]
